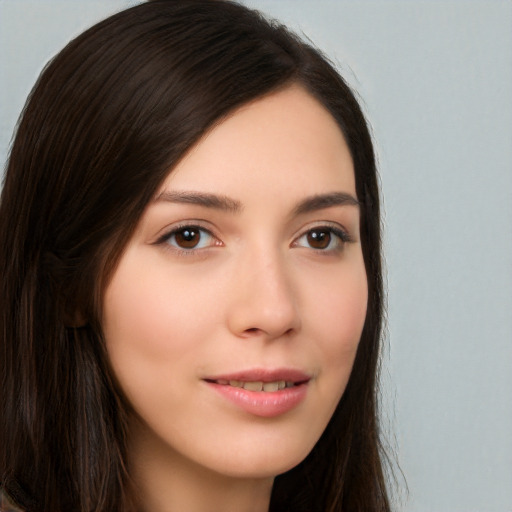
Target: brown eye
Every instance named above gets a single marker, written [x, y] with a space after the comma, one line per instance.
[189, 238]
[323, 238]
[319, 239]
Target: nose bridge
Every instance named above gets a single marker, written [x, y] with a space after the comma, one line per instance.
[264, 300]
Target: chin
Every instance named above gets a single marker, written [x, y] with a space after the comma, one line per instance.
[265, 457]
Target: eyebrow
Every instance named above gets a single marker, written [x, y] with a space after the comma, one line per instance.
[224, 203]
[217, 202]
[321, 201]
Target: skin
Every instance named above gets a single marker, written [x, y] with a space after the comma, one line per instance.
[254, 292]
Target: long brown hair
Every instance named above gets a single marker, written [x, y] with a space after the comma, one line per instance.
[109, 116]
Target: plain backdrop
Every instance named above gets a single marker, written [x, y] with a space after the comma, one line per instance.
[436, 82]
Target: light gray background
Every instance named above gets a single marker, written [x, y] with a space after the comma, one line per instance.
[436, 78]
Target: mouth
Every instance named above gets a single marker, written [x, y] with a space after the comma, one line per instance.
[261, 392]
[258, 386]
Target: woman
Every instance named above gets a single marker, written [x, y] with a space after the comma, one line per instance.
[190, 252]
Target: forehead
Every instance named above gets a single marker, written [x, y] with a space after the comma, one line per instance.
[283, 142]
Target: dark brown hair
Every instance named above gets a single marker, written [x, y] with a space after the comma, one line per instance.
[114, 111]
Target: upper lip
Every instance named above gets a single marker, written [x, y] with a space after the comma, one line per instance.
[263, 375]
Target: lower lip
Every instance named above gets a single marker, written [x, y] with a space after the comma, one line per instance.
[266, 404]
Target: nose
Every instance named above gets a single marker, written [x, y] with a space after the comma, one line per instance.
[263, 300]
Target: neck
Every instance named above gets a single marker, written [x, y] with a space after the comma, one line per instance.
[166, 481]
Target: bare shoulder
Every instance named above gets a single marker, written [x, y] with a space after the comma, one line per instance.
[6, 505]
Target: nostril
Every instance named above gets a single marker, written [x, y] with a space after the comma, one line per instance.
[255, 331]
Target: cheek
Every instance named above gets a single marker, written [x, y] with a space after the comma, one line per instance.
[151, 336]
[344, 316]
[338, 315]
[141, 309]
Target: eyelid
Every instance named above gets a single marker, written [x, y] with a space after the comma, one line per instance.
[172, 230]
[335, 228]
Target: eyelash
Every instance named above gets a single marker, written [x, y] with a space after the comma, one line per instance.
[164, 240]
[340, 235]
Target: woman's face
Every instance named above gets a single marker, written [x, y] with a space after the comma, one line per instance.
[234, 315]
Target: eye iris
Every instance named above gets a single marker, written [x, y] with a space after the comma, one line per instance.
[187, 238]
[319, 239]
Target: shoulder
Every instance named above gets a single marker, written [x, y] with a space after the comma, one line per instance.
[6, 505]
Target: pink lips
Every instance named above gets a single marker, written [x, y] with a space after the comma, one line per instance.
[266, 404]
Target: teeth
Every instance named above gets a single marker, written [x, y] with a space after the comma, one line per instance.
[253, 386]
[271, 386]
[258, 385]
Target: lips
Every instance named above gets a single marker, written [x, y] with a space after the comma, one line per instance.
[267, 387]
[265, 393]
